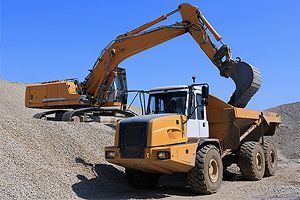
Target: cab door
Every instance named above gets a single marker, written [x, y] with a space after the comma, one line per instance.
[193, 129]
[197, 125]
[201, 116]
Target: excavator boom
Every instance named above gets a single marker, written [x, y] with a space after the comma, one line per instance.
[246, 78]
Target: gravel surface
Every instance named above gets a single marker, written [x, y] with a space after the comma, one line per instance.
[58, 160]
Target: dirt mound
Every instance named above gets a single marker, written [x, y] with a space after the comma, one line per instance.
[287, 137]
[39, 159]
[289, 113]
[12, 100]
[58, 160]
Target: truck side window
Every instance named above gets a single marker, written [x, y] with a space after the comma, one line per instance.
[192, 106]
[200, 110]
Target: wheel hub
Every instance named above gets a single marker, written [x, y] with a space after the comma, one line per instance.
[213, 170]
[259, 161]
[272, 158]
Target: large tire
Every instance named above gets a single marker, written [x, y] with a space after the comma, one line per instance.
[251, 161]
[206, 176]
[141, 180]
[270, 159]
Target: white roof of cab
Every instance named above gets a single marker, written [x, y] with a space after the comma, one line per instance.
[170, 87]
[174, 87]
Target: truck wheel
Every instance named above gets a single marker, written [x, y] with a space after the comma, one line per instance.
[251, 161]
[141, 180]
[206, 176]
[270, 159]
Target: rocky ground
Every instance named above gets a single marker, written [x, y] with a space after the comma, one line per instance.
[59, 160]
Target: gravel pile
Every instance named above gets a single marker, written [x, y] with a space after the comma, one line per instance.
[58, 160]
[42, 159]
[288, 136]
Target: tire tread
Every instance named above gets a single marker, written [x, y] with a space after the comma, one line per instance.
[195, 176]
[246, 161]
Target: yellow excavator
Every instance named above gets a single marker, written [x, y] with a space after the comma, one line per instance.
[106, 83]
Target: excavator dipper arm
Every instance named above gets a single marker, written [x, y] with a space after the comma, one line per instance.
[246, 78]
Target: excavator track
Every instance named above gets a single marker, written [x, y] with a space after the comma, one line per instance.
[104, 111]
[46, 115]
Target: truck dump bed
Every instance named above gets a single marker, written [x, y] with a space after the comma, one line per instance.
[232, 125]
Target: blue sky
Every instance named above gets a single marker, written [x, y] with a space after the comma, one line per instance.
[58, 39]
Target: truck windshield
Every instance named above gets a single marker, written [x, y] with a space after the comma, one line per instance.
[169, 102]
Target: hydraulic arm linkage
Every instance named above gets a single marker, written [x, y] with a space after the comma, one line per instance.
[247, 79]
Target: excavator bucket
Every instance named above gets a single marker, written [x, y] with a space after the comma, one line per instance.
[247, 80]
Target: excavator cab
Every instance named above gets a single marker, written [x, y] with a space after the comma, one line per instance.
[118, 88]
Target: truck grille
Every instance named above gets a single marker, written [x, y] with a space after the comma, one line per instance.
[132, 140]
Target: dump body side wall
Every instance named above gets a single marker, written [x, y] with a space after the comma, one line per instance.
[228, 123]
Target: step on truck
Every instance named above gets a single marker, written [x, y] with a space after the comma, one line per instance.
[188, 130]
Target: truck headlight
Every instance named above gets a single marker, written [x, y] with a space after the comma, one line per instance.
[163, 155]
[110, 154]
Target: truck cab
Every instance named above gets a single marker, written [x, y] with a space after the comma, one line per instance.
[184, 100]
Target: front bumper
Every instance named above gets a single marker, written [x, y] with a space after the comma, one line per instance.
[182, 159]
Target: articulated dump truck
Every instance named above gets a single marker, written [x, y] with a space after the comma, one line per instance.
[189, 131]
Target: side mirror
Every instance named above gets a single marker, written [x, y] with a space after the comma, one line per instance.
[205, 94]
